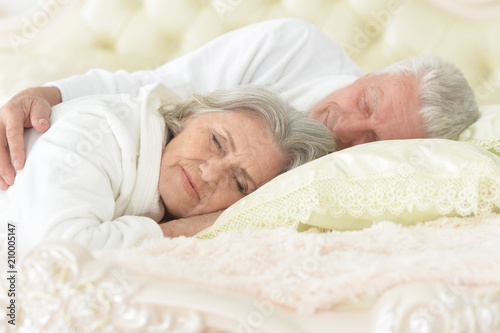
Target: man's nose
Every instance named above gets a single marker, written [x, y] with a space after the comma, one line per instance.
[213, 170]
[350, 133]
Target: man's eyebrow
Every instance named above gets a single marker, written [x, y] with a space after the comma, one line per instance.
[376, 96]
[233, 149]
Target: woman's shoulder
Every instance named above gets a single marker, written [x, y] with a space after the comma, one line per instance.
[126, 119]
[121, 106]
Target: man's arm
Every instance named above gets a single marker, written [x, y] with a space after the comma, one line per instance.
[282, 53]
[31, 107]
[213, 66]
[189, 226]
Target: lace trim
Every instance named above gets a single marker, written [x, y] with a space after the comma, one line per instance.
[492, 145]
[472, 192]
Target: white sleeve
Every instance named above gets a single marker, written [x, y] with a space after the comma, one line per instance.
[72, 182]
[281, 53]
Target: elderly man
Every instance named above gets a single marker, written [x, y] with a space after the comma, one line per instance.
[416, 98]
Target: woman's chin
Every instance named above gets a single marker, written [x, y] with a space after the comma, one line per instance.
[171, 215]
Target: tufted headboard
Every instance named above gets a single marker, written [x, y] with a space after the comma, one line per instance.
[53, 39]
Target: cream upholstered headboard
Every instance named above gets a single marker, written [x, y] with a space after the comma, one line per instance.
[57, 38]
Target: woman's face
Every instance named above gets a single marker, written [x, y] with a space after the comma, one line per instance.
[215, 160]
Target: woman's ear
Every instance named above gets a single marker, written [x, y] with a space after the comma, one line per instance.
[186, 120]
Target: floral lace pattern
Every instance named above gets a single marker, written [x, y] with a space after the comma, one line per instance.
[492, 145]
[340, 199]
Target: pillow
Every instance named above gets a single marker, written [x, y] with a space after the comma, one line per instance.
[404, 181]
[485, 132]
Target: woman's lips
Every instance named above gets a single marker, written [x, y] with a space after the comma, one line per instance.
[189, 185]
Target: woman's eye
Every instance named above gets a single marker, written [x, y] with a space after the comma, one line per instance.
[241, 188]
[216, 141]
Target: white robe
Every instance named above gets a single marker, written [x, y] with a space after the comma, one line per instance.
[290, 55]
[93, 176]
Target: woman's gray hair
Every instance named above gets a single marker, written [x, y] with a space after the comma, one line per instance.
[301, 139]
[448, 102]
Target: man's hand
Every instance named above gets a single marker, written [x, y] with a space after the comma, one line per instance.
[189, 226]
[29, 108]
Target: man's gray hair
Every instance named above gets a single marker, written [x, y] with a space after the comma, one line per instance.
[448, 102]
[301, 139]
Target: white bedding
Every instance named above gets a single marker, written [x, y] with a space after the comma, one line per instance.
[439, 275]
[311, 272]
[442, 276]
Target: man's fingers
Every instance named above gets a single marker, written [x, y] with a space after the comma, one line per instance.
[40, 124]
[29, 108]
[7, 173]
[15, 140]
[40, 115]
[3, 186]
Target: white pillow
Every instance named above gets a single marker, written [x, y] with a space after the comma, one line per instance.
[485, 132]
[405, 181]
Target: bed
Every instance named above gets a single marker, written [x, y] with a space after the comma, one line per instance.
[400, 241]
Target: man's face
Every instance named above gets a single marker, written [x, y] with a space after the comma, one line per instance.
[374, 107]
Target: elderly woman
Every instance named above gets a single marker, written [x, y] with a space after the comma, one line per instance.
[113, 166]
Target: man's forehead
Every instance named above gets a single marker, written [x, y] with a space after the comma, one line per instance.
[400, 104]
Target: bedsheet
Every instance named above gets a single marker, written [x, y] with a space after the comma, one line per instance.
[442, 276]
[439, 276]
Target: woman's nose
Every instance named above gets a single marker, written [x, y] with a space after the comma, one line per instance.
[213, 170]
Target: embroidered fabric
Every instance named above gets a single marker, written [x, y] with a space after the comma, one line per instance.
[492, 145]
[348, 200]
[485, 132]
